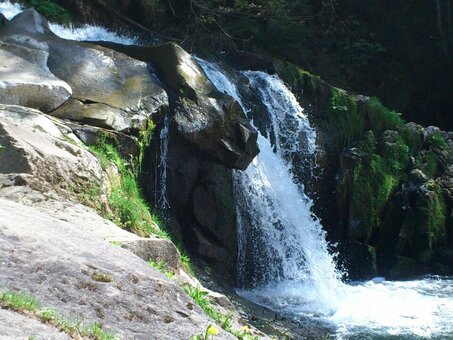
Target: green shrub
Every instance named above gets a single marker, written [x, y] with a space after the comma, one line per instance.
[49, 9]
[129, 209]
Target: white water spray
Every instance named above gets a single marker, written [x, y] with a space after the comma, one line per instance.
[283, 251]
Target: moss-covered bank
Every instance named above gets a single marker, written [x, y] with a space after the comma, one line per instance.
[389, 181]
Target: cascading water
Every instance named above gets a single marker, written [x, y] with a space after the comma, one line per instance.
[86, 32]
[161, 188]
[284, 258]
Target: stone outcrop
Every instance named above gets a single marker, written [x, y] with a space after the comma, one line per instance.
[33, 144]
[64, 271]
[26, 80]
[208, 134]
[208, 119]
[108, 88]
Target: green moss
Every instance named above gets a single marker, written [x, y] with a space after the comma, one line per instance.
[145, 138]
[381, 118]
[436, 140]
[431, 221]
[374, 180]
[428, 163]
[129, 209]
[344, 121]
[412, 138]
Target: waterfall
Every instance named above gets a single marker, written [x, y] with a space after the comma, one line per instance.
[161, 189]
[284, 261]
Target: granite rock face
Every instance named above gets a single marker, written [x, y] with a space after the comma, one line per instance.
[26, 80]
[70, 270]
[108, 88]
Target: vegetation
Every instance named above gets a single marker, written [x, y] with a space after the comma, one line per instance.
[22, 302]
[199, 296]
[210, 332]
[48, 8]
[19, 301]
[128, 208]
[374, 179]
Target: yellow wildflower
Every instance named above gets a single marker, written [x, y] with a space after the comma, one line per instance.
[245, 328]
[212, 330]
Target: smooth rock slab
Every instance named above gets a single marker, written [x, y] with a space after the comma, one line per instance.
[20, 327]
[57, 263]
[114, 90]
[26, 80]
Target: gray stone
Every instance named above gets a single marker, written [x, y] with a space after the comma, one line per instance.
[210, 120]
[60, 265]
[17, 326]
[114, 90]
[32, 144]
[26, 80]
[96, 114]
[3, 20]
[155, 249]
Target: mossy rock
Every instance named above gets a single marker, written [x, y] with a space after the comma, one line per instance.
[367, 186]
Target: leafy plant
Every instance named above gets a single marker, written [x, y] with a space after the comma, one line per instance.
[210, 332]
[19, 301]
[49, 9]
[160, 265]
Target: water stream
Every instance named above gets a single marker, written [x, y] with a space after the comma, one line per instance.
[284, 259]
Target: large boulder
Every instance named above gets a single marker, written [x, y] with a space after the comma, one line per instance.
[110, 89]
[211, 120]
[33, 144]
[26, 80]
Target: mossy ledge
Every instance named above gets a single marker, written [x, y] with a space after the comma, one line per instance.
[390, 178]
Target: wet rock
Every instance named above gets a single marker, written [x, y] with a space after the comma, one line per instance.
[209, 120]
[3, 20]
[360, 260]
